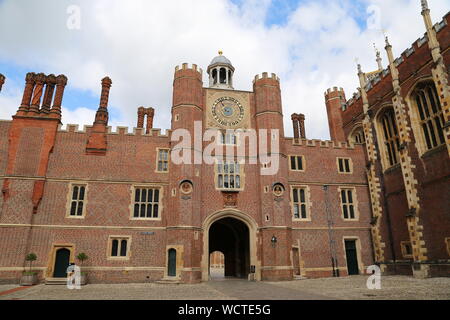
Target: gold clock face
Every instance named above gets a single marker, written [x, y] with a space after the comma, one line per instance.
[228, 112]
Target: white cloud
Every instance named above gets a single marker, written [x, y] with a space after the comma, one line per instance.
[138, 43]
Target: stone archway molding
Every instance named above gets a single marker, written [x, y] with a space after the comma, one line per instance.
[253, 233]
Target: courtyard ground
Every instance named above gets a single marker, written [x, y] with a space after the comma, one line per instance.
[348, 288]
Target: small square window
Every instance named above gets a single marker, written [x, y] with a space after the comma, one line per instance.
[344, 165]
[297, 163]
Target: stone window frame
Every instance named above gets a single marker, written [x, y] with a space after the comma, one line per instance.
[350, 165]
[69, 201]
[357, 130]
[109, 255]
[355, 203]
[415, 119]
[404, 250]
[296, 162]
[308, 203]
[158, 150]
[241, 175]
[381, 137]
[160, 202]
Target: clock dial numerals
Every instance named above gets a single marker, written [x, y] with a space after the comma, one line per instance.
[228, 112]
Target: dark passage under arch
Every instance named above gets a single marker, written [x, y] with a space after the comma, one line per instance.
[231, 237]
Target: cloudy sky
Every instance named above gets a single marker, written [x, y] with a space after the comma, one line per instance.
[310, 44]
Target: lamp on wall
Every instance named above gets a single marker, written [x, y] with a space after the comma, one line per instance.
[274, 241]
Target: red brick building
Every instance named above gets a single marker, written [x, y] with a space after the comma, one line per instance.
[331, 208]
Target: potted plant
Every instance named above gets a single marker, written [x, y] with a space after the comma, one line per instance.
[83, 257]
[29, 278]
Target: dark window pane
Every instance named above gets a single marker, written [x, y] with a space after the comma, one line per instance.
[350, 196]
[433, 136]
[347, 165]
[432, 101]
[144, 195]
[142, 210]
[303, 211]
[427, 136]
[295, 195]
[81, 196]
[136, 211]
[80, 208]
[123, 248]
[150, 195]
[352, 212]
[345, 212]
[156, 198]
[302, 196]
[344, 196]
[115, 247]
[238, 182]
[341, 166]
[149, 211]
[73, 208]
[75, 193]
[155, 211]
[299, 163]
[137, 197]
[420, 108]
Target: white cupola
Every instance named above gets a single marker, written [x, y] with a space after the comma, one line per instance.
[221, 72]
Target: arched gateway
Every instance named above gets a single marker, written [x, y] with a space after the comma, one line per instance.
[234, 234]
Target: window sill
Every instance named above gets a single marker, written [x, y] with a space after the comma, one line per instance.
[394, 168]
[301, 220]
[118, 258]
[432, 152]
[76, 218]
[145, 219]
[230, 190]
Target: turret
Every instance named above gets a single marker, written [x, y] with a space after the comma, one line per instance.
[335, 102]
[187, 104]
[269, 112]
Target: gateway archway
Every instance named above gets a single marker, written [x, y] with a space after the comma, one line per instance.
[234, 234]
[231, 236]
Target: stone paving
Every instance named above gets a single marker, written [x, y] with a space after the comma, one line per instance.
[352, 288]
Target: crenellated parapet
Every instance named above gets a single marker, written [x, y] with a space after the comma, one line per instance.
[324, 144]
[75, 128]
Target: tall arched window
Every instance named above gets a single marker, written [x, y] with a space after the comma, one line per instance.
[390, 137]
[430, 116]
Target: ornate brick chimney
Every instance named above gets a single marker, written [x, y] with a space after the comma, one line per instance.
[142, 113]
[97, 142]
[298, 121]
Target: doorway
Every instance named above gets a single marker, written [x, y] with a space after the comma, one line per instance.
[231, 237]
[172, 263]
[217, 265]
[352, 257]
[62, 261]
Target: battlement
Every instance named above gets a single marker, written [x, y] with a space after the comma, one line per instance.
[265, 75]
[185, 66]
[334, 89]
[324, 144]
[74, 128]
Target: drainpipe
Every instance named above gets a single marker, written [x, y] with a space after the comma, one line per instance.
[334, 260]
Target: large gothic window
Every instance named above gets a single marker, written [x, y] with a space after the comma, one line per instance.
[430, 116]
[391, 140]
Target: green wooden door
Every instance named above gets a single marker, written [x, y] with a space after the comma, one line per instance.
[62, 261]
[172, 265]
[352, 257]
